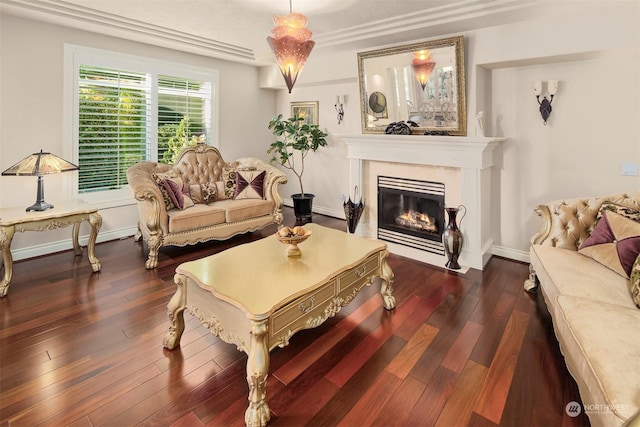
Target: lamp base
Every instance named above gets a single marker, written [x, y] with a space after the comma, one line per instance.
[39, 206]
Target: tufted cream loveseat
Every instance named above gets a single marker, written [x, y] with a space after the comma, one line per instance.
[218, 220]
[594, 317]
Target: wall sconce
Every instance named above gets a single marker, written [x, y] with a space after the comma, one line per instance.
[545, 104]
[340, 107]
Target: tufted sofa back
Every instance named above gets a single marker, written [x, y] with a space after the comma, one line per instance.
[567, 223]
[200, 164]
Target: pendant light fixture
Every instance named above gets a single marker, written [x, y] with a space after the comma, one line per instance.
[423, 66]
[291, 43]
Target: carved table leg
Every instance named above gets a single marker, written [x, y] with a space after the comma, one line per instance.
[386, 282]
[176, 308]
[74, 238]
[258, 413]
[6, 235]
[96, 222]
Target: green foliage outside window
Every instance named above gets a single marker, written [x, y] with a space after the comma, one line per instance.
[182, 138]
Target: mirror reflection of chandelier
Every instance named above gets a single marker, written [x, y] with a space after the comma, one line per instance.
[423, 66]
[291, 44]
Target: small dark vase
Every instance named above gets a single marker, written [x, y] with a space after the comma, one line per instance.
[303, 207]
[452, 238]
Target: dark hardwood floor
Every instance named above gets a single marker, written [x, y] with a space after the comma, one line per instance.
[85, 349]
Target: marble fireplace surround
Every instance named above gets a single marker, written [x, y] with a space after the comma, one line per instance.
[463, 164]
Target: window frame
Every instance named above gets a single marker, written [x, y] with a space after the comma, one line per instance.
[74, 56]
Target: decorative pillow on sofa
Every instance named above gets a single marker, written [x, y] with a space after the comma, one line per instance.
[204, 193]
[173, 190]
[635, 282]
[630, 213]
[229, 174]
[249, 185]
[614, 242]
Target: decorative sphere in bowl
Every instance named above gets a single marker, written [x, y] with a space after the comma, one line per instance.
[292, 237]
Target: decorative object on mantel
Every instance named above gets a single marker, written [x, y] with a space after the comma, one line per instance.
[340, 107]
[353, 210]
[398, 128]
[479, 127]
[291, 43]
[545, 104]
[435, 101]
[302, 137]
[452, 238]
[437, 133]
[38, 164]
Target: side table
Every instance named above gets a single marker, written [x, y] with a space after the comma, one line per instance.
[72, 212]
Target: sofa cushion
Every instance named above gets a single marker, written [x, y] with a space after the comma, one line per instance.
[626, 211]
[564, 271]
[177, 192]
[196, 217]
[614, 242]
[204, 193]
[229, 178]
[634, 282]
[249, 185]
[159, 179]
[600, 344]
[237, 210]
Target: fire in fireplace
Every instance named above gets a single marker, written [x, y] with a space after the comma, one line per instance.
[415, 220]
[411, 213]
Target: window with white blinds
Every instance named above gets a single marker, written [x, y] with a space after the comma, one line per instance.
[129, 109]
[113, 126]
[181, 100]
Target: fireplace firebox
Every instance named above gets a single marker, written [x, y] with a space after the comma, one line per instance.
[411, 213]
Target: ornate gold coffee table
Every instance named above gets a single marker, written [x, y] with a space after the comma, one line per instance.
[256, 297]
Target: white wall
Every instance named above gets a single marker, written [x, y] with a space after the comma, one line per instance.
[592, 48]
[31, 118]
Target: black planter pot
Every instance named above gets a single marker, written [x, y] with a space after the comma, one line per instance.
[302, 207]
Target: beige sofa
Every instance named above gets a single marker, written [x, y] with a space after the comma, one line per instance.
[209, 209]
[594, 317]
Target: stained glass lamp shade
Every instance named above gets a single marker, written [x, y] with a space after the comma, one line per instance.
[39, 164]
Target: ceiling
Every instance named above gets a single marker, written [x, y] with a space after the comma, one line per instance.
[237, 29]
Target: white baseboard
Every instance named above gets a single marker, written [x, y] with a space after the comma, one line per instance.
[67, 244]
[513, 254]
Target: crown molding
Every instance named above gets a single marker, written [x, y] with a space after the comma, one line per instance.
[422, 20]
[80, 17]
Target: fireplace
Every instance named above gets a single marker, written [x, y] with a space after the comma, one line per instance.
[411, 213]
[464, 164]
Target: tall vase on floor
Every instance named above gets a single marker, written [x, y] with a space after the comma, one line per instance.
[452, 237]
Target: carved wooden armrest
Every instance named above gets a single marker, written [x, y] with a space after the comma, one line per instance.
[154, 208]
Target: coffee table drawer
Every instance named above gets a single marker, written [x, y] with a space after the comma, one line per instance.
[304, 307]
[358, 276]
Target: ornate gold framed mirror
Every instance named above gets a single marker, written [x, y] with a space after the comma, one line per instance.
[421, 84]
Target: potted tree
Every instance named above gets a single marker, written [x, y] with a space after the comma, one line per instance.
[296, 135]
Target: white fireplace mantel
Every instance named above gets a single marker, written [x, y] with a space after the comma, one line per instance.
[471, 157]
